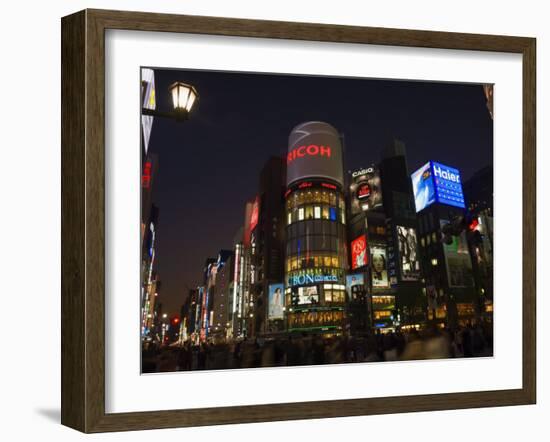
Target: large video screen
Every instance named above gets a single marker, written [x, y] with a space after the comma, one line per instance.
[308, 295]
[408, 253]
[423, 187]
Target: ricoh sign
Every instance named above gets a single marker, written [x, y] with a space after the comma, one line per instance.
[314, 151]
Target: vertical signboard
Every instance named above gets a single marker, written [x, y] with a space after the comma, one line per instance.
[379, 267]
[149, 102]
[276, 301]
[408, 253]
[359, 255]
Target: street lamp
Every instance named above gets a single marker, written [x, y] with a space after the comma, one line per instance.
[184, 97]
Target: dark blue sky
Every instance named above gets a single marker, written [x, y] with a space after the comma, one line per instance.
[209, 166]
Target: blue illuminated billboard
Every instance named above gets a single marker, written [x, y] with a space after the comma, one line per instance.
[437, 183]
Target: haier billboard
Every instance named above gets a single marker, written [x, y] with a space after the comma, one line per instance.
[437, 183]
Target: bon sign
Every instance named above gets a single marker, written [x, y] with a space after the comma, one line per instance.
[314, 151]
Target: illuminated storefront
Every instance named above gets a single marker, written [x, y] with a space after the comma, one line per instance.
[316, 252]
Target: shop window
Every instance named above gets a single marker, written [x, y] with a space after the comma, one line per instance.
[332, 213]
[343, 216]
[325, 212]
[301, 214]
[309, 212]
[289, 217]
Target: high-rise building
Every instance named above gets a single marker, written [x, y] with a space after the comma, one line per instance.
[269, 235]
[316, 243]
[440, 205]
[403, 261]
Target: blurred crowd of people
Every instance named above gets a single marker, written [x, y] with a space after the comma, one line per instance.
[433, 343]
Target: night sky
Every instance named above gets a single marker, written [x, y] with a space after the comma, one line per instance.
[209, 165]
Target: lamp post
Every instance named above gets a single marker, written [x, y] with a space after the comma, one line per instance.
[184, 97]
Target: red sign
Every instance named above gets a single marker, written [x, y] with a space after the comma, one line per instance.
[328, 186]
[255, 213]
[359, 255]
[363, 191]
[146, 177]
[312, 150]
[304, 185]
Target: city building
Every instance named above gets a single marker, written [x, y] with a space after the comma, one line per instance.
[269, 237]
[441, 209]
[316, 258]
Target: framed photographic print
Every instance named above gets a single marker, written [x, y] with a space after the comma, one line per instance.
[266, 221]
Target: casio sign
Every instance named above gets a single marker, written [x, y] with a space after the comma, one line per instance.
[362, 172]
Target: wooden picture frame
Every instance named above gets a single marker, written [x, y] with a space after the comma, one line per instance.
[83, 220]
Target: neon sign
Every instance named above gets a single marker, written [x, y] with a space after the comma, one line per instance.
[363, 191]
[311, 150]
[146, 177]
[254, 214]
[310, 278]
[328, 186]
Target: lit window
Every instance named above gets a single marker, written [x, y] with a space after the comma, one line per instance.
[434, 237]
[301, 214]
[325, 212]
[290, 217]
[309, 212]
[332, 213]
[317, 212]
[343, 216]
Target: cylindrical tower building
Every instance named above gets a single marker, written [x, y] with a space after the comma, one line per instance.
[316, 254]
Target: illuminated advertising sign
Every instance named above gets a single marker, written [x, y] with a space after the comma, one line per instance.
[275, 301]
[366, 190]
[355, 280]
[437, 183]
[457, 261]
[149, 102]
[308, 295]
[359, 256]
[255, 214]
[408, 253]
[310, 278]
[314, 151]
[379, 268]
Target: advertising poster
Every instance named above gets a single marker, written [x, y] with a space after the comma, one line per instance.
[408, 253]
[457, 261]
[356, 280]
[379, 267]
[359, 256]
[276, 302]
